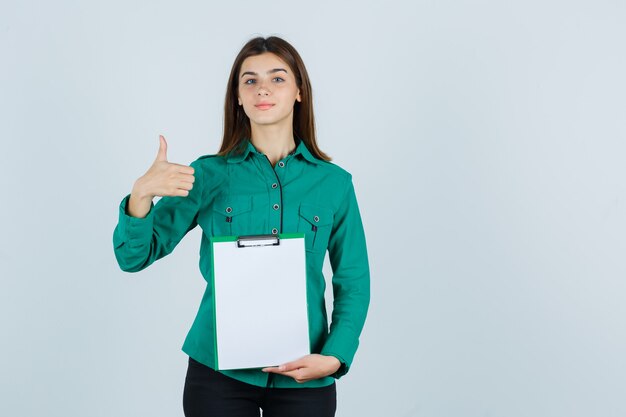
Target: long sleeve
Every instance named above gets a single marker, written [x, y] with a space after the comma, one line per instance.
[351, 281]
[138, 242]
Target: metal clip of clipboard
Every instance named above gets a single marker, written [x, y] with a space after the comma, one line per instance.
[257, 240]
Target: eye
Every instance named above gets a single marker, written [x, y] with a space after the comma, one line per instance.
[279, 79]
[248, 81]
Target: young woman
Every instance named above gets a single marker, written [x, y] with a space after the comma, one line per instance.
[269, 177]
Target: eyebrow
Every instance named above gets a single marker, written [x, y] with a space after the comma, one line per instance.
[269, 72]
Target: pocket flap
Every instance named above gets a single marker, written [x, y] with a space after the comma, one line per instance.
[319, 216]
[233, 206]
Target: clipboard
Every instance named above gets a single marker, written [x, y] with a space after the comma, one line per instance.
[259, 300]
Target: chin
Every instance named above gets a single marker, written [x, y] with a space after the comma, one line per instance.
[266, 121]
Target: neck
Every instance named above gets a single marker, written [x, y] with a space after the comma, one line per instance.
[275, 141]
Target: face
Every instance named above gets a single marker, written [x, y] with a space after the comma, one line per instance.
[267, 90]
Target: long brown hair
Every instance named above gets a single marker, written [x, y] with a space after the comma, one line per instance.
[237, 123]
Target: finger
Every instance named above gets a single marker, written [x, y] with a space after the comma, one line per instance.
[187, 178]
[162, 154]
[178, 190]
[185, 186]
[290, 366]
[278, 370]
[299, 375]
[184, 169]
[182, 177]
[274, 370]
[181, 193]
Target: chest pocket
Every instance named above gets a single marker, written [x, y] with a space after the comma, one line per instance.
[232, 216]
[315, 222]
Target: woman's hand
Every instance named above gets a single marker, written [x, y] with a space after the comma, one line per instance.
[308, 367]
[162, 179]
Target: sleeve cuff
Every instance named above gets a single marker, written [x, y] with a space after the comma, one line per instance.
[135, 231]
[343, 346]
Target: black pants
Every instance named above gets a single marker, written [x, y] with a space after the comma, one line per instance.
[209, 393]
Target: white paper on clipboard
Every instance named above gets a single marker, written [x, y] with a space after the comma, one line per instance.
[260, 299]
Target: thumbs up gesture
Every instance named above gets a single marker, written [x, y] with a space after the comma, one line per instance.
[163, 178]
[162, 155]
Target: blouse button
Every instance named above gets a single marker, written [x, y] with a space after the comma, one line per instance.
[281, 164]
[274, 231]
[316, 218]
[276, 206]
[274, 185]
[229, 209]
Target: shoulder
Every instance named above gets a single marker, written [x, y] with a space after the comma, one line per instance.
[333, 168]
[209, 161]
[333, 179]
[334, 175]
[210, 166]
[209, 157]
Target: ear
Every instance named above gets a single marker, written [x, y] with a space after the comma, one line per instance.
[298, 96]
[239, 100]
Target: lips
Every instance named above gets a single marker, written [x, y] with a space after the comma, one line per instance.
[263, 106]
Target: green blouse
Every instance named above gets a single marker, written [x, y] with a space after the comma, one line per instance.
[242, 194]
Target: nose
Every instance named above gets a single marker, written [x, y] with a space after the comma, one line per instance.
[263, 90]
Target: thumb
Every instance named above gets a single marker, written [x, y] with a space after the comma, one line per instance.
[162, 155]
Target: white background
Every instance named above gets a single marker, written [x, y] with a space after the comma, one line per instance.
[487, 144]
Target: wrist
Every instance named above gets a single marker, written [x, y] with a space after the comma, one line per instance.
[139, 193]
[333, 362]
[139, 203]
